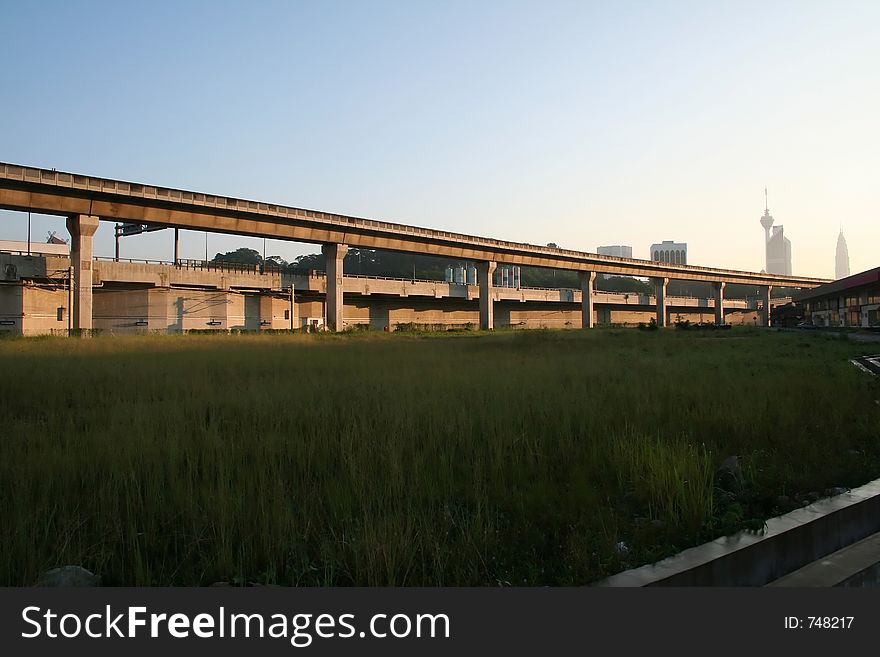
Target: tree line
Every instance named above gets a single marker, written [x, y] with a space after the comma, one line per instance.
[393, 264]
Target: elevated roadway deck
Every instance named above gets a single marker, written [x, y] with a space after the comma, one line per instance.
[86, 200]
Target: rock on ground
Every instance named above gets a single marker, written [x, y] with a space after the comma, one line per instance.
[69, 576]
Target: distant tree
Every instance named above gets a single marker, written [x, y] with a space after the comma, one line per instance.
[276, 262]
[395, 264]
[623, 284]
[370, 262]
[778, 292]
[239, 257]
[308, 262]
[699, 289]
[553, 278]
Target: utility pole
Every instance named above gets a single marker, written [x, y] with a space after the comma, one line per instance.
[69, 300]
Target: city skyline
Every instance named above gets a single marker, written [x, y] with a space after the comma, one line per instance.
[567, 123]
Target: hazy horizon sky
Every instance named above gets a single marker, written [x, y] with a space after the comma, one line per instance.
[579, 123]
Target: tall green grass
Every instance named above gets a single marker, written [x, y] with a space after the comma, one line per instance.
[514, 458]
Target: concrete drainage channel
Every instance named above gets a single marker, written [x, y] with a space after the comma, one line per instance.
[833, 542]
[855, 566]
[870, 364]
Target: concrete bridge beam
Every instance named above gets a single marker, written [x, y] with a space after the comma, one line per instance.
[27, 189]
[485, 272]
[334, 254]
[587, 279]
[718, 290]
[660, 294]
[82, 229]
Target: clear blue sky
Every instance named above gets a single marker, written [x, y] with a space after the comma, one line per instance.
[571, 122]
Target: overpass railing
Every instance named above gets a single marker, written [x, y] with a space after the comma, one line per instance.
[33, 252]
[200, 265]
[133, 261]
[394, 278]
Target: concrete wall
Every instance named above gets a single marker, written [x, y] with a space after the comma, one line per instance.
[164, 275]
[142, 297]
[138, 309]
[742, 318]
[34, 267]
[122, 310]
[34, 247]
[371, 286]
[11, 308]
[33, 310]
[379, 313]
[174, 310]
[41, 310]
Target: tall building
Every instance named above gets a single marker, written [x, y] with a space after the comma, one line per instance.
[669, 251]
[778, 246]
[841, 260]
[617, 250]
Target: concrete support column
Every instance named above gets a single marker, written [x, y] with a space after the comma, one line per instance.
[718, 289]
[334, 254]
[266, 311]
[765, 302]
[82, 228]
[587, 279]
[485, 272]
[660, 294]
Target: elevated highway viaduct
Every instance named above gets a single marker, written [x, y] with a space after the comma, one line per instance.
[86, 200]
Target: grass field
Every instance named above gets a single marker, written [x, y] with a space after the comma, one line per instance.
[505, 459]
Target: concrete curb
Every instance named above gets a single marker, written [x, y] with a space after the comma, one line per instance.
[790, 542]
[853, 566]
[868, 364]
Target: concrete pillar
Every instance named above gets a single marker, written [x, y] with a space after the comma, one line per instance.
[334, 254]
[765, 302]
[660, 294]
[485, 272]
[176, 246]
[718, 289]
[266, 311]
[587, 279]
[82, 227]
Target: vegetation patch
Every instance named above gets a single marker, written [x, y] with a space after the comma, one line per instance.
[515, 458]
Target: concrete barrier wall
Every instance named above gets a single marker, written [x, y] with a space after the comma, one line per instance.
[11, 308]
[35, 311]
[142, 297]
[789, 542]
[164, 275]
[45, 310]
[122, 310]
